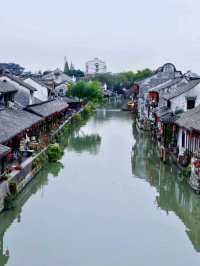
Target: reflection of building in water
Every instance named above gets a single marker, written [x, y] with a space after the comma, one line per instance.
[8, 217]
[172, 196]
[144, 164]
[112, 111]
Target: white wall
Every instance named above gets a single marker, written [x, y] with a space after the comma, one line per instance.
[42, 91]
[23, 96]
[180, 102]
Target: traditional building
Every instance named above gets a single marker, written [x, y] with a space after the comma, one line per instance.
[156, 84]
[42, 90]
[25, 92]
[48, 109]
[7, 93]
[58, 77]
[183, 96]
[58, 82]
[4, 150]
[188, 131]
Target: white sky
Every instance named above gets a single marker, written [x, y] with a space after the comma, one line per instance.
[128, 34]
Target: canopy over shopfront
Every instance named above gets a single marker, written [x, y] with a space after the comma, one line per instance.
[46, 109]
[14, 121]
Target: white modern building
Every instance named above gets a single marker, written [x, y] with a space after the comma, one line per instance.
[95, 66]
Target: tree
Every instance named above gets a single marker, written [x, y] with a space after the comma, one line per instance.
[72, 66]
[66, 68]
[120, 80]
[13, 68]
[90, 91]
[77, 73]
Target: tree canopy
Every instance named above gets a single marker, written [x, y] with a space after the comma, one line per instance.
[13, 68]
[66, 67]
[121, 80]
[71, 71]
[90, 91]
[77, 73]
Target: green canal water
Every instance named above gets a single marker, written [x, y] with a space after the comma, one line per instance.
[108, 202]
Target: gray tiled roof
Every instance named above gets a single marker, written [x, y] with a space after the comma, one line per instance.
[22, 96]
[168, 117]
[162, 110]
[57, 76]
[20, 82]
[167, 84]
[40, 82]
[181, 88]
[151, 82]
[70, 99]
[6, 87]
[190, 119]
[48, 108]
[13, 121]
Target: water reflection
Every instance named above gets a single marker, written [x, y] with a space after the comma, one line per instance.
[103, 203]
[55, 168]
[172, 196]
[76, 141]
[7, 218]
[84, 142]
[110, 112]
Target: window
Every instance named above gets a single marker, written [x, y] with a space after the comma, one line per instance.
[190, 104]
[168, 104]
[183, 139]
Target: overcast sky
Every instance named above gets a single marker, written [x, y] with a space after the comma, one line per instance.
[128, 34]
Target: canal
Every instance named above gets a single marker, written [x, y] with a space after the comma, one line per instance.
[109, 201]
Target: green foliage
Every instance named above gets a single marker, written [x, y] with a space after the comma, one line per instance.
[77, 119]
[66, 130]
[13, 188]
[89, 91]
[66, 68]
[93, 106]
[185, 173]
[55, 168]
[168, 134]
[77, 73]
[54, 152]
[124, 79]
[83, 143]
[88, 110]
[40, 160]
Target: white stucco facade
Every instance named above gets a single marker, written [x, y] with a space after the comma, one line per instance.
[42, 91]
[180, 101]
[24, 96]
